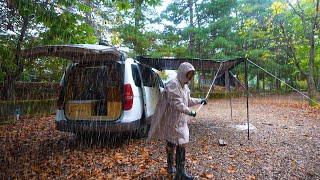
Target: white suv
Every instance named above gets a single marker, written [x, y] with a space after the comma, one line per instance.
[102, 90]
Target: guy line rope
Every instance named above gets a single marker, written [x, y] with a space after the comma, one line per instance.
[314, 101]
[215, 77]
[247, 88]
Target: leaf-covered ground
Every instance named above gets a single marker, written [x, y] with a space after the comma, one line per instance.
[286, 145]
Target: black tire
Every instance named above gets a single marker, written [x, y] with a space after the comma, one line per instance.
[143, 131]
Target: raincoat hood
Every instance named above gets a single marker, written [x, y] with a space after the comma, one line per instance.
[184, 68]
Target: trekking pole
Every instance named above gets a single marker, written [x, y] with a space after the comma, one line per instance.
[214, 79]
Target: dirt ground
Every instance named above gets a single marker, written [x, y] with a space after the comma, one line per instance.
[284, 145]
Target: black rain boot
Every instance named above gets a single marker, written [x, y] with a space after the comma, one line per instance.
[181, 164]
[170, 154]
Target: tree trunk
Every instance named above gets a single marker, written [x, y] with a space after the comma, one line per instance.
[137, 13]
[88, 19]
[191, 25]
[263, 83]
[11, 77]
[137, 24]
[9, 88]
[278, 85]
[258, 83]
[198, 41]
[309, 34]
[312, 90]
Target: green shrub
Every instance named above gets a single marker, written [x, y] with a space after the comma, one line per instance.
[303, 85]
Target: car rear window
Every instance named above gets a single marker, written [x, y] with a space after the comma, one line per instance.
[92, 82]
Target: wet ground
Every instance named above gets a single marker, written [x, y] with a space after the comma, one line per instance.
[284, 145]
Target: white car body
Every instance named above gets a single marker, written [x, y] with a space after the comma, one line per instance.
[145, 99]
[102, 90]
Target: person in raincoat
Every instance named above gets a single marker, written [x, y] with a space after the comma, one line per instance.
[170, 120]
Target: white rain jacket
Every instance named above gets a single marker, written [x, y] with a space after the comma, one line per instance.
[170, 120]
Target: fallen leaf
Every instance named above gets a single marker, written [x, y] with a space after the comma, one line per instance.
[209, 176]
[163, 171]
[232, 169]
[214, 166]
[251, 150]
[251, 177]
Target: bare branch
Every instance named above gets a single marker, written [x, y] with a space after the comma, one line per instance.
[300, 14]
[299, 6]
[292, 49]
[303, 19]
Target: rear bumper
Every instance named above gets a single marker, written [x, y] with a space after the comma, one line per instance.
[96, 126]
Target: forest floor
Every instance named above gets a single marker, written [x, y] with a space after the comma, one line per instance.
[284, 145]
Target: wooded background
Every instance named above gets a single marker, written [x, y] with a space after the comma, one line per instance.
[279, 35]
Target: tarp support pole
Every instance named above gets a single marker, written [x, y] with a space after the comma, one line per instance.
[247, 94]
[227, 77]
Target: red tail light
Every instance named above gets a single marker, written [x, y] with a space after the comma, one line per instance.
[128, 97]
[60, 104]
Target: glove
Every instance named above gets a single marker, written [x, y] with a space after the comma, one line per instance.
[203, 101]
[192, 113]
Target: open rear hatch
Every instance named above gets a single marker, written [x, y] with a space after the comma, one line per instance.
[78, 53]
[94, 92]
[94, 85]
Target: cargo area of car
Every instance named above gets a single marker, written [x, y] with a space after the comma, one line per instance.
[94, 92]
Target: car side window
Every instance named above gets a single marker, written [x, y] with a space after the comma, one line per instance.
[149, 77]
[154, 79]
[160, 81]
[135, 75]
